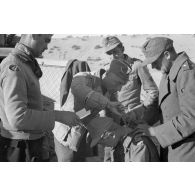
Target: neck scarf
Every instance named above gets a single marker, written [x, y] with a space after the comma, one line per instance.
[23, 53]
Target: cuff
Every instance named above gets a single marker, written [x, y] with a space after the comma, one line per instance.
[166, 134]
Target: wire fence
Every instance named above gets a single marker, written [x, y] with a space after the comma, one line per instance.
[50, 89]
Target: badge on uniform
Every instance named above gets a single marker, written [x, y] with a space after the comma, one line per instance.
[14, 68]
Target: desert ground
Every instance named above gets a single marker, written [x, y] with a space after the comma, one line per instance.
[89, 48]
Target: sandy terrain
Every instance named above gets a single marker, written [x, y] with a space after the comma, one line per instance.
[89, 48]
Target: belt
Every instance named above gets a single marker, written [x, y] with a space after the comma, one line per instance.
[16, 143]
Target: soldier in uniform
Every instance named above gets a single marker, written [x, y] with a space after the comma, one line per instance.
[130, 93]
[176, 134]
[90, 91]
[23, 120]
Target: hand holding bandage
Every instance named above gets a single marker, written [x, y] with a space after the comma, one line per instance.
[116, 108]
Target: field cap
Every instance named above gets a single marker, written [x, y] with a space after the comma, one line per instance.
[110, 43]
[97, 127]
[154, 47]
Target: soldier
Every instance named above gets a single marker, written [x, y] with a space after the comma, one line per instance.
[64, 150]
[176, 134]
[130, 93]
[90, 91]
[23, 120]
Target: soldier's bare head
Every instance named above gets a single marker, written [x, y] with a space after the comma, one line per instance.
[37, 43]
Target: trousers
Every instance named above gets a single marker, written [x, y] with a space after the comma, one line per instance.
[65, 154]
[23, 150]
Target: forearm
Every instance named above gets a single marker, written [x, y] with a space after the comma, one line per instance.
[149, 86]
[182, 125]
[31, 120]
[24, 112]
[95, 100]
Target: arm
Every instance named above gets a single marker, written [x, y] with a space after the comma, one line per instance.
[149, 86]
[150, 102]
[182, 125]
[90, 98]
[19, 115]
[16, 104]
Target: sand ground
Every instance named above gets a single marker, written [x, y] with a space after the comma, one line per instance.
[89, 48]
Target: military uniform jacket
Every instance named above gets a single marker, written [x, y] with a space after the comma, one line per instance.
[177, 103]
[130, 93]
[86, 92]
[21, 106]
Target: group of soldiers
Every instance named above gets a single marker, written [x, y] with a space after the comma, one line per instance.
[100, 108]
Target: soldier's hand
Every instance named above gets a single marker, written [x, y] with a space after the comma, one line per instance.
[143, 129]
[130, 117]
[116, 108]
[146, 130]
[68, 118]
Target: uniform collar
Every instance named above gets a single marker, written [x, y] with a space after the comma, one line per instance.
[26, 56]
[180, 60]
[23, 48]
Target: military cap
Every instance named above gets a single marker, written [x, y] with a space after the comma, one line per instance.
[110, 43]
[154, 47]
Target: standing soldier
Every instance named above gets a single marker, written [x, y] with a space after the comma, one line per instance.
[176, 134]
[130, 93]
[23, 120]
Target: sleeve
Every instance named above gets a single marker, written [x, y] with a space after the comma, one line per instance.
[90, 98]
[16, 105]
[182, 125]
[108, 113]
[149, 86]
[150, 100]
